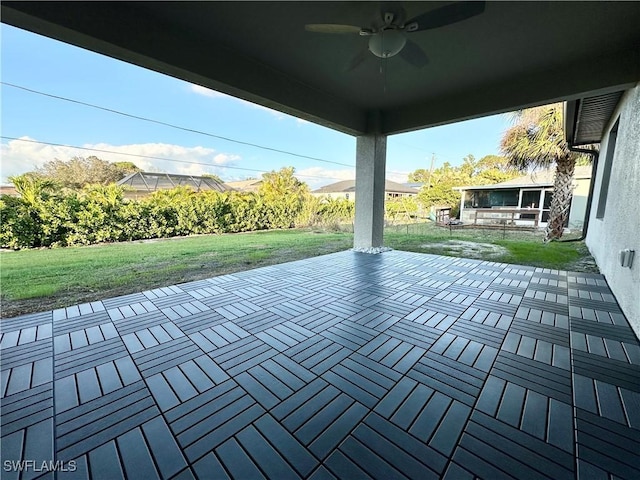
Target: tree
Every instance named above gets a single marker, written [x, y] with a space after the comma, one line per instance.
[494, 169]
[536, 140]
[79, 171]
[284, 195]
[127, 167]
[32, 188]
[213, 176]
[420, 175]
[439, 183]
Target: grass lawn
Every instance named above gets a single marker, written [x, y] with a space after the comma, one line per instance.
[38, 280]
[517, 247]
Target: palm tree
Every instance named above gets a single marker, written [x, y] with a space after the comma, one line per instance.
[537, 140]
[32, 188]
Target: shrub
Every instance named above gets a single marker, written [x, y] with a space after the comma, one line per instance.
[43, 217]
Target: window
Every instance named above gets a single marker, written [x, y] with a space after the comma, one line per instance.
[531, 198]
[606, 171]
[490, 199]
[504, 198]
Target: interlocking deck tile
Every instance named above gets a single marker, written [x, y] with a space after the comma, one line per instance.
[608, 370]
[218, 336]
[25, 367]
[554, 382]
[342, 366]
[258, 321]
[374, 319]
[497, 305]
[392, 352]
[490, 449]
[26, 408]
[318, 321]
[242, 355]
[166, 355]
[318, 354]
[488, 318]
[414, 333]
[275, 380]
[75, 360]
[608, 445]
[219, 425]
[384, 451]
[285, 335]
[85, 427]
[456, 380]
[26, 321]
[546, 305]
[481, 333]
[34, 444]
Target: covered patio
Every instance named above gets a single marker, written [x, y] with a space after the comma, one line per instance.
[349, 365]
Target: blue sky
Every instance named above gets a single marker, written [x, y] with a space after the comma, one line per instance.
[45, 65]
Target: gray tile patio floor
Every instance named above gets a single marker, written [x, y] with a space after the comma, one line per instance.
[347, 365]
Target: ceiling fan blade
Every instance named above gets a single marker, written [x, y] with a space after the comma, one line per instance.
[413, 54]
[331, 28]
[357, 59]
[446, 15]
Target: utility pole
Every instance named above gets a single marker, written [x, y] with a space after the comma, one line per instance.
[433, 159]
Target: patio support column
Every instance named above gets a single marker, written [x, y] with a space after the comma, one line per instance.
[371, 156]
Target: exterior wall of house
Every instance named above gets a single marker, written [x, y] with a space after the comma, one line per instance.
[337, 195]
[619, 225]
[576, 213]
[352, 195]
[579, 203]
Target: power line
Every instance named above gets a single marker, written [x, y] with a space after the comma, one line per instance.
[159, 122]
[155, 158]
[425, 150]
[166, 124]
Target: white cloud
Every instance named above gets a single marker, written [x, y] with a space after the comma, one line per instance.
[332, 176]
[399, 177]
[23, 156]
[207, 92]
[317, 177]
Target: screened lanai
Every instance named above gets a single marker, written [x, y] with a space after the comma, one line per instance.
[144, 183]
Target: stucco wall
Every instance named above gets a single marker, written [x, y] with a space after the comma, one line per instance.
[579, 203]
[620, 226]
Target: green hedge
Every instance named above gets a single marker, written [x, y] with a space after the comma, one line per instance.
[49, 217]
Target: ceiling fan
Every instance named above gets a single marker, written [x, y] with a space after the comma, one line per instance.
[389, 38]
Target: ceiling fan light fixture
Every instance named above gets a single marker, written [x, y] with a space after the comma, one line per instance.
[387, 43]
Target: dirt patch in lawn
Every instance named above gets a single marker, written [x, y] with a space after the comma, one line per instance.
[460, 248]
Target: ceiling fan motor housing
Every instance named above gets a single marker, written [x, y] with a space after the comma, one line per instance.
[387, 43]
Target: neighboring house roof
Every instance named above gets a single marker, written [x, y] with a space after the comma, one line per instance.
[8, 190]
[540, 178]
[347, 186]
[245, 185]
[151, 181]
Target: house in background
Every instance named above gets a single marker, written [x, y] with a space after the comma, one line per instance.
[252, 185]
[8, 190]
[530, 193]
[141, 184]
[347, 189]
[613, 229]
